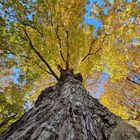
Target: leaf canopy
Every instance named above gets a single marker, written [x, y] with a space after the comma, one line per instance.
[36, 36]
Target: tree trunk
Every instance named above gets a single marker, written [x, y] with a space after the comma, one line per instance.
[66, 111]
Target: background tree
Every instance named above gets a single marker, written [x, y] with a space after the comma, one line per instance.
[37, 36]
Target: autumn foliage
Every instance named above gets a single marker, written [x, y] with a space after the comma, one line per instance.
[37, 36]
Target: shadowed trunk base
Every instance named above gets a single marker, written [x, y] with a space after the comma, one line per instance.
[66, 111]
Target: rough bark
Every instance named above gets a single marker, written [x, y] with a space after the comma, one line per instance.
[67, 112]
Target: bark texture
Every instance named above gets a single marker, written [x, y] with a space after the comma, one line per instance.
[67, 112]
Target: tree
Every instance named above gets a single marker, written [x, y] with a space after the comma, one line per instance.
[66, 111]
[123, 101]
[44, 38]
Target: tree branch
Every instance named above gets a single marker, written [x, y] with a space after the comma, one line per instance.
[36, 64]
[68, 55]
[60, 44]
[90, 49]
[27, 24]
[29, 59]
[40, 56]
[7, 120]
[95, 51]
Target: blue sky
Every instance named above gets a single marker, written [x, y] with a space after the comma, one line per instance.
[15, 74]
[97, 24]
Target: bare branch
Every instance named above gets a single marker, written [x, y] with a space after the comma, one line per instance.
[40, 56]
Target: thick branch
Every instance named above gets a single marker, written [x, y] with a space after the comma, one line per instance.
[40, 56]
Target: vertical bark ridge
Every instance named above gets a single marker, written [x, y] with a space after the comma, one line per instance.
[66, 111]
